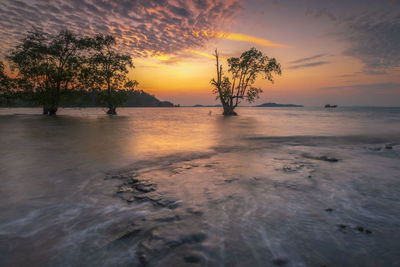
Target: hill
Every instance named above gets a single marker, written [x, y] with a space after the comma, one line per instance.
[136, 98]
[273, 105]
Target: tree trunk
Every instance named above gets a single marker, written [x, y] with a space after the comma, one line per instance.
[229, 111]
[112, 111]
[52, 111]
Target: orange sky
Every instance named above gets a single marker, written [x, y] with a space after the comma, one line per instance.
[187, 80]
[333, 76]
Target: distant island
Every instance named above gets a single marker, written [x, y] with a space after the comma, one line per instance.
[265, 105]
[136, 98]
[273, 105]
[206, 106]
[140, 98]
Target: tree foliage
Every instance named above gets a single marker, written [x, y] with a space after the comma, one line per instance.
[244, 71]
[47, 65]
[52, 67]
[5, 86]
[4, 80]
[107, 72]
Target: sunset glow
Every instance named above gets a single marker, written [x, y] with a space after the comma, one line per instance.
[250, 39]
[199, 133]
[318, 45]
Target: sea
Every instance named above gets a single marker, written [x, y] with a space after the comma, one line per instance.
[187, 186]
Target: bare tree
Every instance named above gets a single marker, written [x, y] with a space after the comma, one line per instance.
[244, 72]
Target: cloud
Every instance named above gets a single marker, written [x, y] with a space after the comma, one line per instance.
[308, 65]
[202, 54]
[370, 28]
[198, 53]
[375, 40]
[372, 86]
[142, 27]
[251, 39]
[306, 59]
[320, 12]
[305, 62]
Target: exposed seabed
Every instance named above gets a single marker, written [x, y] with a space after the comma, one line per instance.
[275, 201]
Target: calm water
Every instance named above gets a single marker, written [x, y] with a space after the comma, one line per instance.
[186, 186]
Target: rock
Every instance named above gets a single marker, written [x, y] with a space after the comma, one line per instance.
[171, 204]
[142, 190]
[194, 238]
[230, 180]
[389, 146]
[145, 188]
[342, 226]
[129, 234]
[129, 200]
[323, 158]
[360, 228]
[142, 198]
[124, 189]
[120, 176]
[377, 148]
[192, 259]
[326, 158]
[173, 244]
[169, 219]
[142, 258]
[293, 167]
[187, 167]
[329, 210]
[194, 211]
[133, 181]
[279, 262]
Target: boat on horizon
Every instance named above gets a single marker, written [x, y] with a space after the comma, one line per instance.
[330, 106]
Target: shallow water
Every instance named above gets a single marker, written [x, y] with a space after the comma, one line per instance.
[186, 186]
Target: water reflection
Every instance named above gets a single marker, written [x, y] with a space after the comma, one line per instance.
[200, 189]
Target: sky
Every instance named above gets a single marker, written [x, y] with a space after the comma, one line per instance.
[338, 52]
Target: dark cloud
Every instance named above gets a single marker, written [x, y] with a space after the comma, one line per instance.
[307, 62]
[142, 26]
[306, 59]
[370, 28]
[180, 11]
[320, 12]
[374, 38]
[201, 4]
[372, 86]
[308, 65]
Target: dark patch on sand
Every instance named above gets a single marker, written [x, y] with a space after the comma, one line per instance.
[323, 158]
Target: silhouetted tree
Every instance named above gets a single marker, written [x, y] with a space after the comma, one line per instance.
[48, 65]
[244, 71]
[107, 72]
[10, 88]
[4, 85]
[4, 80]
